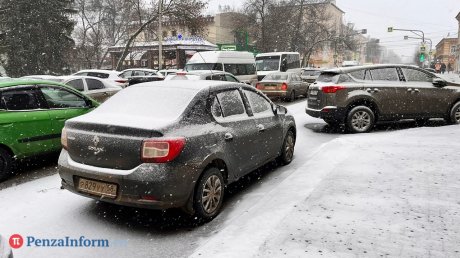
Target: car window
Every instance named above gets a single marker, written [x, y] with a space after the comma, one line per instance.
[358, 74]
[62, 98]
[231, 103]
[384, 74]
[231, 68]
[98, 75]
[76, 84]
[126, 74]
[139, 73]
[21, 99]
[328, 77]
[230, 78]
[413, 75]
[218, 77]
[259, 105]
[216, 110]
[94, 84]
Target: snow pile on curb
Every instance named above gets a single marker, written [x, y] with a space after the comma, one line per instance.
[377, 194]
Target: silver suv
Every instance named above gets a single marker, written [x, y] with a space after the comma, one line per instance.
[360, 96]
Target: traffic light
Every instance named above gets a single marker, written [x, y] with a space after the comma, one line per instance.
[390, 29]
[422, 57]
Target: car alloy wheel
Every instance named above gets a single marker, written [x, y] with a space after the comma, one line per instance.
[212, 194]
[209, 194]
[287, 151]
[360, 119]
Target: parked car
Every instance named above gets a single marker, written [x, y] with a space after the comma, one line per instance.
[5, 249]
[363, 95]
[177, 145]
[108, 75]
[32, 114]
[307, 74]
[287, 85]
[239, 63]
[94, 87]
[138, 75]
[203, 75]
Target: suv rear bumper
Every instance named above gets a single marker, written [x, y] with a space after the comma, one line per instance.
[328, 112]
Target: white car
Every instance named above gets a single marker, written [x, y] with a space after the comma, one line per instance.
[108, 75]
[93, 87]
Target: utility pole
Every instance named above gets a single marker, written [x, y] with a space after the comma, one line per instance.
[160, 35]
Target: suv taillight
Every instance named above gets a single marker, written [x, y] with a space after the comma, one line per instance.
[64, 138]
[258, 86]
[161, 150]
[332, 89]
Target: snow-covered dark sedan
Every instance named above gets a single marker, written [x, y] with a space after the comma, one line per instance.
[174, 144]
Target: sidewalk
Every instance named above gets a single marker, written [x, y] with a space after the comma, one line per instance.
[378, 194]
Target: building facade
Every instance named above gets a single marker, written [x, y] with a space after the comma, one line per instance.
[446, 52]
[179, 42]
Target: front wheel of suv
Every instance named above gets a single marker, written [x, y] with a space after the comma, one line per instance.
[360, 119]
[454, 115]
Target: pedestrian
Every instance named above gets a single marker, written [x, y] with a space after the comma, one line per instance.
[443, 68]
[437, 67]
[449, 67]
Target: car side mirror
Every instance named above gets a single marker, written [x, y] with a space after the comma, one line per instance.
[279, 110]
[438, 82]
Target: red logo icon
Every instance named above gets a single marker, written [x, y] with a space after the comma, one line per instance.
[16, 241]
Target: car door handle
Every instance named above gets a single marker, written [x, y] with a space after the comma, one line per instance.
[411, 90]
[416, 90]
[260, 127]
[228, 137]
[372, 90]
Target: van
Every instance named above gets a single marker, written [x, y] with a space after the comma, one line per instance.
[239, 63]
[276, 62]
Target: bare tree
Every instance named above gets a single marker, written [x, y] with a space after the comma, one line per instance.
[187, 11]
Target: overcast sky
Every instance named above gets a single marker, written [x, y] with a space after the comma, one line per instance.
[435, 18]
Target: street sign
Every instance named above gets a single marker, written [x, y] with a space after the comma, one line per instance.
[422, 49]
[390, 29]
[228, 48]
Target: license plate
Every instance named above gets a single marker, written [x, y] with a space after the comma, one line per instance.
[314, 92]
[270, 88]
[97, 188]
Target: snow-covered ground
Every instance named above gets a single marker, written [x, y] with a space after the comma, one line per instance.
[371, 195]
[385, 193]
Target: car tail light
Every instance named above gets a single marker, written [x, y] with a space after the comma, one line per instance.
[181, 73]
[284, 86]
[332, 89]
[259, 86]
[64, 138]
[121, 81]
[161, 150]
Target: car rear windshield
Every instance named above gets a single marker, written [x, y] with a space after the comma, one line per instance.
[328, 77]
[276, 77]
[311, 73]
[159, 103]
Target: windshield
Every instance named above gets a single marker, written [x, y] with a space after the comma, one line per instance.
[203, 66]
[268, 63]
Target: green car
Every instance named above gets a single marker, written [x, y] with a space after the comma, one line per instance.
[32, 115]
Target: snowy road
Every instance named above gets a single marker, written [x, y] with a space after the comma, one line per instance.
[389, 192]
[40, 209]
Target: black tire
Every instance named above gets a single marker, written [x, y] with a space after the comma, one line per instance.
[360, 119]
[211, 184]
[287, 151]
[454, 114]
[6, 164]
